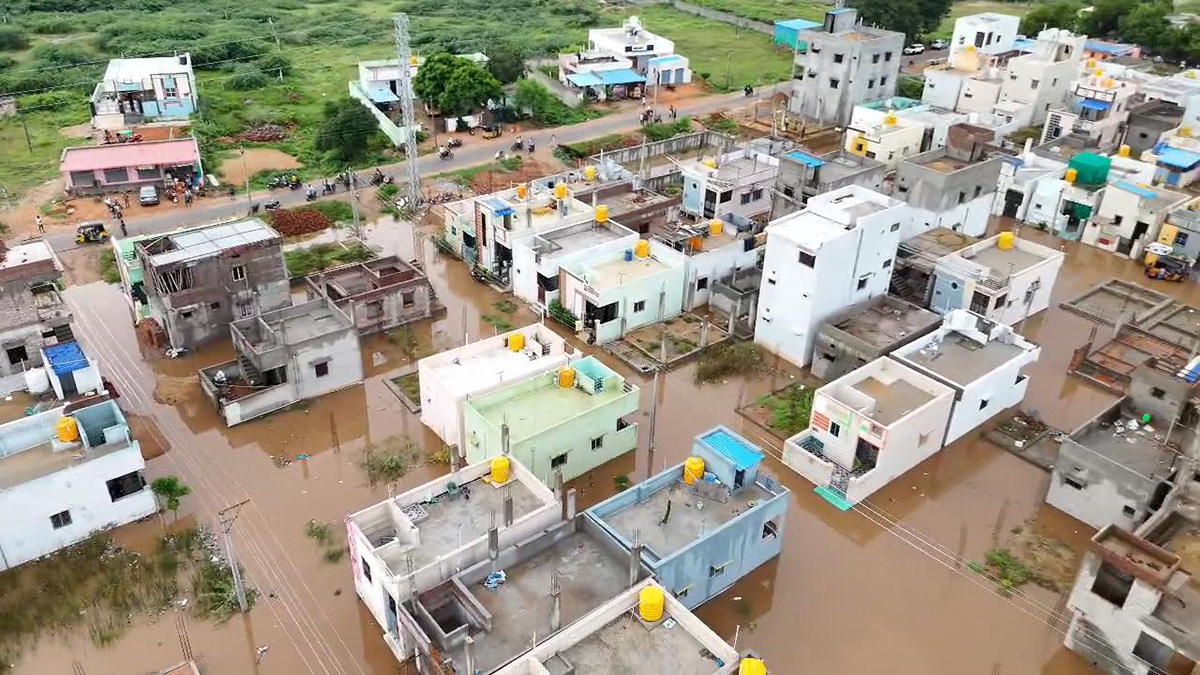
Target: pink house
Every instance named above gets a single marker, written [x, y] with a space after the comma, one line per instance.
[105, 169]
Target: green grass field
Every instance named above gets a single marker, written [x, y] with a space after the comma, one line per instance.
[769, 11]
[718, 48]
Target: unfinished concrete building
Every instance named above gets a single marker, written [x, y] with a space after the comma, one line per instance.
[954, 186]
[199, 280]
[1135, 605]
[283, 357]
[916, 258]
[378, 295]
[735, 298]
[866, 332]
[846, 64]
[32, 311]
[803, 174]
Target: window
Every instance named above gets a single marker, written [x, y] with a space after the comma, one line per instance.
[835, 429]
[366, 569]
[834, 82]
[245, 309]
[702, 283]
[771, 529]
[556, 462]
[717, 570]
[745, 198]
[60, 519]
[1033, 84]
[887, 56]
[1128, 511]
[871, 83]
[639, 306]
[123, 486]
[887, 263]
[1074, 482]
[408, 298]
[862, 283]
[962, 197]
[983, 403]
[922, 439]
[883, 81]
[682, 593]
[808, 259]
[238, 272]
[1112, 584]
[756, 194]
[875, 58]
[1020, 379]
[726, 196]
[789, 192]
[1157, 393]
[17, 354]
[321, 369]
[978, 190]
[214, 306]
[1181, 238]
[185, 315]
[838, 58]
[597, 442]
[169, 88]
[1161, 658]
[771, 282]
[120, 175]
[1000, 301]
[1117, 219]
[895, 227]
[148, 172]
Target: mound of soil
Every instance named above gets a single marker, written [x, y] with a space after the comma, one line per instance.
[172, 390]
[265, 133]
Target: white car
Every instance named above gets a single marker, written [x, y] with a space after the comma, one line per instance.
[939, 44]
[915, 48]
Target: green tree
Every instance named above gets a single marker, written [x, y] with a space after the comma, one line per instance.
[1058, 14]
[1102, 20]
[246, 77]
[454, 85]
[171, 491]
[12, 39]
[347, 129]
[911, 17]
[1146, 24]
[275, 63]
[506, 65]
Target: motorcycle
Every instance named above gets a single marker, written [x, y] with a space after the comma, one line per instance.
[377, 178]
[501, 155]
[445, 153]
[517, 146]
[276, 182]
[176, 352]
[310, 194]
[327, 188]
[271, 205]
[294, 182]
[749, 91]
[454, 143]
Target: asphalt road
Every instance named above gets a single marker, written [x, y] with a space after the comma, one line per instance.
[475, 151]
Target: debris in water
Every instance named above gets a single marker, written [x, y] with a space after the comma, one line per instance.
[260, 652]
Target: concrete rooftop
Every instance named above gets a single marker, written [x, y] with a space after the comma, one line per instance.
[25, 254]
[961, 360]
[627, 645]
[529, 412]
[475, 367]
[886, 321]
[1137, 450]
[617, 272]
[1015, 260]
[893, 400]
[686, 524]
[578, 237]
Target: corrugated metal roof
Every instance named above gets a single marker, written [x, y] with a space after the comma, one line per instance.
[1179, 158]
[742, 454]
[585, 79]
[199, 243]
[120, 155]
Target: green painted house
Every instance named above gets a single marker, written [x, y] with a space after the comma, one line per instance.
[555, 421]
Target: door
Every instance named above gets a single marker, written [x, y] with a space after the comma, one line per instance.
[739, 477]
[1012, 203]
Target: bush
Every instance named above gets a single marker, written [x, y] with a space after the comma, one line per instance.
[739, 358]
[108, 267]
[7, 62]
[65, 54]
[275, 63]
[12, 39]
[54, 24]
[304, 261]
[49, 100]
[247, 77]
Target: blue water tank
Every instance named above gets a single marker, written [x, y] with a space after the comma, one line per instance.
[628, 254]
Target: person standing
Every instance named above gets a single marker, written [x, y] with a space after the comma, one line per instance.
[41, 224]
[127, 199]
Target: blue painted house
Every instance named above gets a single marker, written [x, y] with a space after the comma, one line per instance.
[135, 91]
[700, 538]
[787, 33]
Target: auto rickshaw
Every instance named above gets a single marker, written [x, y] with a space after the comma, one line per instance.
[91, 233]
[491, 130]
[1167, 268]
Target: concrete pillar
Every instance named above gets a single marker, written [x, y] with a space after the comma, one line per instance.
[571, 504]
[504, 438]
[508, 507]
[635, 559]
[454, 463]
[556, 602]
[469, 647]
[493, 545]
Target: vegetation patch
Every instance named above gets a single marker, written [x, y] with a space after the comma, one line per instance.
[464, 177]
[328, 540]
[409, 385]
[391, 459]
[789, 408]
[108, 266]
[304, 261]
[728, 359]
[499, 322]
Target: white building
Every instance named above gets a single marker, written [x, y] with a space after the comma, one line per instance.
[988, 33]
[1130, 216]
[951, 187]
[587, 646]
[883, 135]
[618, 291]
[736, 185]
[415, 541]
[652, 56]
[537, 258]
[133, 91]
[1135, 605]
[835, 253]
[868, 428]
[61, 487]
[1003, 278]
[982, 361]
[449, 377]
[1041, 79]
[1097, 108]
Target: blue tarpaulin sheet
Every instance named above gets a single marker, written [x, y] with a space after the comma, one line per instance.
[625, 76]
[1135, 189]
[1179, 158]
[740, 453]
[805, 158]
[1093, 104]
[66, 358]
[383, 95]
[585, 80]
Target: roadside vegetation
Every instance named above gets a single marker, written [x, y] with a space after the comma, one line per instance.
[790, 408]
[728, 359]
[329, 541]
[108, 266]
[304, 261]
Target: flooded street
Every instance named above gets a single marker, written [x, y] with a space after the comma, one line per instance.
[852, 591]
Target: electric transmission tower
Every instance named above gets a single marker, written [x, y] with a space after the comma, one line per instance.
[404, 54]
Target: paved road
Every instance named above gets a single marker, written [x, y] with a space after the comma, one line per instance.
[475, 151]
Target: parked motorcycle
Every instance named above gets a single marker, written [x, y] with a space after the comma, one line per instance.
[327, 188]
[445, 153]
[310, 193]
[276, 182]
[271, 205]
[749, 91]
[517, 145]
[454, 143]
[294, 182]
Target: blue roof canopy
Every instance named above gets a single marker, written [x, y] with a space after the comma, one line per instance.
[624, 76]
[66, 357]
[1112, 48]
[383, 95]
[585, 79]
[805, 158]
[1093, 104]
[1179, 158]
[798, 24]
[1135, 189]
[743, 455]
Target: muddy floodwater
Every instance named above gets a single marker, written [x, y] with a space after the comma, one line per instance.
[851, 592]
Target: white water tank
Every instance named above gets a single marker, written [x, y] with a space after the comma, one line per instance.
[37, 382]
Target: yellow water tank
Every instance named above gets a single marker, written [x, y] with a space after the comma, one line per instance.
[1005, 243]
[1091, 63]
[752, 667]
[716, 226]
[1071, 175]
[589, 173]
[68, 430]
[710, 163]
[566, 378]
[1108, 83]
[650, 603]
[1185, 131]
[560, 191]
[642, 249]
[522, 191]
[1098, 73]
[516, 342]
[890, 120]
[1124, 150]
[693, 469]
[602, 213]
[970, 48]
[412, 60]
[696, 243]
[500, 469]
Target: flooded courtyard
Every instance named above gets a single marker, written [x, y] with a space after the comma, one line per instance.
[880, 588]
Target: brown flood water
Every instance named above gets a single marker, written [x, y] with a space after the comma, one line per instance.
[845, 595]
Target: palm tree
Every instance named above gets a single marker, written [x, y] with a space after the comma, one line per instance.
[171, 490]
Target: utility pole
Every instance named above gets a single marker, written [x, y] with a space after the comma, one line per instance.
[274, 34]
[25, 126]
[246, 175]
[354, 203]
[225, 520]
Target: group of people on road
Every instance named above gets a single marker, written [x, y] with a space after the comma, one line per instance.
[649, 114]
[118, 212]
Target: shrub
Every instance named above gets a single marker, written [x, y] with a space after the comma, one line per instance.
[275, 63]
[50, 100]
[108, 267]
[65, 54]
[54, 24]
[739, 358]
[12, 39]
[247, 77]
